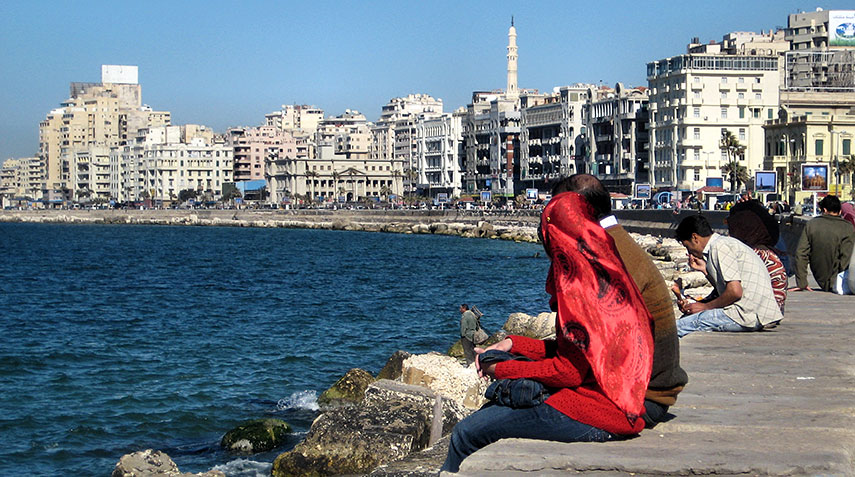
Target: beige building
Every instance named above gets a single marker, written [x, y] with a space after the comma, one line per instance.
[21, 179]
[254, 147]
[96, 118]
[822, 55]
[163, 161]
[296, 118]
[439, 147]
[694, 98]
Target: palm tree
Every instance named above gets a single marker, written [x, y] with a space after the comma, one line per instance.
[734, 150]
[847, 167]
[311, 175]
[385, 191]
[335, 175]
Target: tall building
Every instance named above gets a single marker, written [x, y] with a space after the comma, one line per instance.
[394, 135]
[96, 118]
[491, 134]
[822, 51]
[296, 118]
[439, 142]
[616, 121]
[694, 98]
[552, 136]
[21, 181]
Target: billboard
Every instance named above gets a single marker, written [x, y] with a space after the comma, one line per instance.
[715, 182]
[815, 177]
[486, 196]
[765, 181]
[531, 194]
[119, 74]
[442, 197]
[642, 191]
[841, 28]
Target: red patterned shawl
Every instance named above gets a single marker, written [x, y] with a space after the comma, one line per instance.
[599, 308]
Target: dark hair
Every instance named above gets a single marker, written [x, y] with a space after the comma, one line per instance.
[830, 203]
[464, 306]
[693, 224]
[590, 188]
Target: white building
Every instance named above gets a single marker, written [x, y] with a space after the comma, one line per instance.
[438, 156]
[693, 98]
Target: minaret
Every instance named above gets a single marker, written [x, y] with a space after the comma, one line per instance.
[512, 91]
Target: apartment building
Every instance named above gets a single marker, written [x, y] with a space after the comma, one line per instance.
[552, 135]
[439, 149]
[822, 51]
[254, 147]
[694, 97]
[97, 116]
[617, 123]
[163, 161]
[295, 118]
[491, 138]
[21, 179]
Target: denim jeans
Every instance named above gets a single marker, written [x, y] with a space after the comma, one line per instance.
[708, 320]
[493, 422]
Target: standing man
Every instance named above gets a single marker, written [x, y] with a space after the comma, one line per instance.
[468, 325]
[742, 298]
[826, 243]
[667, 378]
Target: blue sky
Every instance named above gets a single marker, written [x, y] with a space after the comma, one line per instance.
[228, 63]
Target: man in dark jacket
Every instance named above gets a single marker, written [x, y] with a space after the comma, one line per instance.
[826, 243]
[468, 325]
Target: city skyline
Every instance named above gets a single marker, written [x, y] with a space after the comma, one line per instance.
[214, 64]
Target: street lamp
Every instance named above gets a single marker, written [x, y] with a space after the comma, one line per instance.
[833, 159]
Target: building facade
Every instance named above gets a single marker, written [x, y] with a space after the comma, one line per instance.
[439, 149]
[693, 99]
[617, 123]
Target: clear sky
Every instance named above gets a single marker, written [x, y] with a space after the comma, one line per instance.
[225, 64]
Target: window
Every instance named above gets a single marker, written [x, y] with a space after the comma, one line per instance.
[818, 147]
[697, 154]
[741, 134]
[724, 79]
[697, 112]
[724, 95]
[757, 96]
[697, 133]
[846, 147]
[742, 112]
[723, 113]
[755, 112]
[740, 96]
[697, 174]
[769, 113]
[741, 80]
[697, 95]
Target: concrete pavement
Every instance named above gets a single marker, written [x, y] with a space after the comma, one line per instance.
[778, 402]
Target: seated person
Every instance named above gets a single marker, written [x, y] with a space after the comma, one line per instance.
[667, 378]
[748, 228]
[742, 297]
[598, 366]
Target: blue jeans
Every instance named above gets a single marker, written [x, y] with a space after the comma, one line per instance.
[493, 422]
[708, 320]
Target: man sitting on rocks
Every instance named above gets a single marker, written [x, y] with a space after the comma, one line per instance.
[668, 378]
[742, 298]
[600, 316]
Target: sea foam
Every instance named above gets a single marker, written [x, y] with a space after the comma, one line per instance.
[299, 400]
[245, 468]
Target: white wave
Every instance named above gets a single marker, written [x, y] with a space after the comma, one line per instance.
[245, 468]
[299, 400]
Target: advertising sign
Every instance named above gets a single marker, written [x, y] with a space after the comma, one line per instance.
[531, 194]
[715, 182]
[442, 197]
[765, 181]
[642, 191]
[841, 28]
[486, 196]
[815, 177]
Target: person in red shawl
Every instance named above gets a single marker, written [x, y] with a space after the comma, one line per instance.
[596, 370]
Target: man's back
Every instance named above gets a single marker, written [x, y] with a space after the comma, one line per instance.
[826, 243]
[668, 378]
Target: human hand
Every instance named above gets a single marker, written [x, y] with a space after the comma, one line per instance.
[489, 372]
[697, 264]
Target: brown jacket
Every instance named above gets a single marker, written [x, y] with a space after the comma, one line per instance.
[667, 378]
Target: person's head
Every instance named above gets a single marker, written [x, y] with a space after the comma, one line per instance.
[694, 232]
[590, 188]
[748, 227]
[463, 308]
[847, 211]
[830, 205]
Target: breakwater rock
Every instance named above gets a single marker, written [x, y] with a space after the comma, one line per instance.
[258, 435]
[150, 463]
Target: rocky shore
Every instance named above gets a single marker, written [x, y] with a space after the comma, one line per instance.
[397, 423]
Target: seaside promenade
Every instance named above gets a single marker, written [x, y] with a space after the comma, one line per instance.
[778, 402]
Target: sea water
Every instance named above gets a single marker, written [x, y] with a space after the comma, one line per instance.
[120, 338]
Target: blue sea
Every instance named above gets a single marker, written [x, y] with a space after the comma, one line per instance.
[118, 338]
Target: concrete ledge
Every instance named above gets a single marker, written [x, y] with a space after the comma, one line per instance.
[780, 402]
